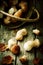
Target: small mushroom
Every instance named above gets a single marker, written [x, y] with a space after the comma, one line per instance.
[20, 34]
[11, 42]
[30, 44]
[17, 14]
[7, 20]
[7, 60]
[36, 31]
[24, 6]
[36, 43]
[11, 11]
[15, 49]
[23, 59]
[3, 47]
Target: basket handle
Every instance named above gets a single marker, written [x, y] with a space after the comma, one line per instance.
[23, 19]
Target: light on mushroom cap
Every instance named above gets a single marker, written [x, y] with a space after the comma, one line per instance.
[24, 31]
[36, 31]
[28, 45]
[36, 43]
[15, 49]
[20, 34]
[19, 37]
[24, 56]
[11, 11]
[7, 20]
[11, 42]
[23, 59]
[23, 5]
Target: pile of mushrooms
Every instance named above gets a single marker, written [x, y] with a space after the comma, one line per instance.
[15, 48]
[15, 14]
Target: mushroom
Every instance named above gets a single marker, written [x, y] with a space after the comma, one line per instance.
[23, 6]
[17, 14]
[13, 46]
[36, 31]
[15, 49]
[7, 60]
[3, 47]
[36, 43]
[23, 59]
[31, 43]
[20, 34]
[28, 45]
[11, 11]
[11, 42]
[7, 20]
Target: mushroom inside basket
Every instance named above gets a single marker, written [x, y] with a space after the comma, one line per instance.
[16, 13]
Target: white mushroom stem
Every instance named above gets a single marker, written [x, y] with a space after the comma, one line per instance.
[20, 34]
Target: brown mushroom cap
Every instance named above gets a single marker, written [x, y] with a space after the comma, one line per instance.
[15, 49]
[24, 5]
[23, 59]
[7, 60]
[3, 47]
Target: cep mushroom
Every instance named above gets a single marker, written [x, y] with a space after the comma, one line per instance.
[15, 49]
[23, 6]
[17, 14]
[20, 34]
[23, 9]
[36, 43]
[23, 59]
[11, 42]
[3, 47]
[30, 44]
[11, 11]
[36, 31]
[6, 60]
[13, 46]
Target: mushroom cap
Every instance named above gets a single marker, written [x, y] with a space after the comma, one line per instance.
[28, 45]
[7, 60]
[23, 59]
[15, 49]
[36, 43]
[11, 42]
[36, 31]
